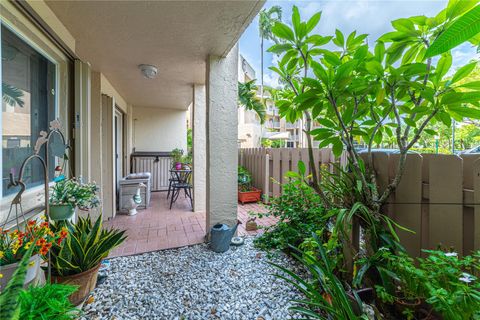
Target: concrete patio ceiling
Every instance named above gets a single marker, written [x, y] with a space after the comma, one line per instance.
[176, 36]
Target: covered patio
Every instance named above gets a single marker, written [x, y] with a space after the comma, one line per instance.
[158, 227]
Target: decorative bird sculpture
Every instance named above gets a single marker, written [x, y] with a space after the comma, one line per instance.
[136, 200]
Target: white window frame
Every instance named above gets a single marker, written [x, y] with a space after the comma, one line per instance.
[31, 196]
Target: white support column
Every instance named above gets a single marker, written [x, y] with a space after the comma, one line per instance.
[199, 147]
[222, 124]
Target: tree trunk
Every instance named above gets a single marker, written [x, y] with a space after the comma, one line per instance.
[261, 68]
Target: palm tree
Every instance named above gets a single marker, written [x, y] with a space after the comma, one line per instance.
[12, 95]
[247, 97]
[266, 20]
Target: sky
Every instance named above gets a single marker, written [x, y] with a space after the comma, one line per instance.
[364, 16]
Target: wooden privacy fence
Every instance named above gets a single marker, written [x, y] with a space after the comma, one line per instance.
[268, 166]
[438, 197]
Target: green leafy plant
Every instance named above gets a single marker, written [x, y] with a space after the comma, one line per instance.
[244, 179]
[452, 287]
[85, 246]
[10, 295]
[74, 193]
[176, 155]
[49, 301]
[299, 213]
[458, 31]
[247, 97]
[443, 280]
[325, 296]
[389, 92]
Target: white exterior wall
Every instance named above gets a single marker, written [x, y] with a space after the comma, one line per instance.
[156, 129]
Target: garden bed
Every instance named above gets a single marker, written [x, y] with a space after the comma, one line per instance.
[194, 283]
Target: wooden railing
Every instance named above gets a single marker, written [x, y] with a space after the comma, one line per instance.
[438, 197]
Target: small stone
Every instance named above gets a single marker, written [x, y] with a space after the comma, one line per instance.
[194, 283]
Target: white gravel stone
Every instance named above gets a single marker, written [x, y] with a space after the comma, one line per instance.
[195, 283]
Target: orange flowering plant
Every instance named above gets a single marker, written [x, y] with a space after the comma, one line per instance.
[14, 244]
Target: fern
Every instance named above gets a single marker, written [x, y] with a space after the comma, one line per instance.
[9, 298]
[463, 29]
[48, 302]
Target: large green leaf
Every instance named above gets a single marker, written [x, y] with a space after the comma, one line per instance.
[464, 71]
[283, 31]
[443, 66]
[462, 30]
[313, 21]
[279, 48]
[465, 111]
[374, 67]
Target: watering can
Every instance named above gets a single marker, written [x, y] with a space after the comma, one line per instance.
[221, 236]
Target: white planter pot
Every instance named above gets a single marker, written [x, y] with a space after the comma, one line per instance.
[33, 271]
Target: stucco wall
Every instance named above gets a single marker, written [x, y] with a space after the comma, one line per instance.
[156, 129]
[222, 124]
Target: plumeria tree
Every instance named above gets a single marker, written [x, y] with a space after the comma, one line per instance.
[374, 93]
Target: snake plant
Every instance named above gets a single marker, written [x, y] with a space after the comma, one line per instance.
[84, 248]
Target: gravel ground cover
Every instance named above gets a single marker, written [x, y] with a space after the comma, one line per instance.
[193, 283]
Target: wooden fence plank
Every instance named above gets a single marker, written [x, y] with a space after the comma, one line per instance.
[285, 158]
[295, 158]
[407, 210]
[276, 171]
[476, 199]
[446, 196]
[469, 160]
[305, 159]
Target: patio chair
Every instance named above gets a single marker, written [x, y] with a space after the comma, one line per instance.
[173, 179]
[182, 182]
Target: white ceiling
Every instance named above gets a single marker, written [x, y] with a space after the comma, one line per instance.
[176, 36]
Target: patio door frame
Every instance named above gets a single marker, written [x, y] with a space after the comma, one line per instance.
[119, 146]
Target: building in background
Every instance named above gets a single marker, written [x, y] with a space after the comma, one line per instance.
[275, 131]
[250, 130]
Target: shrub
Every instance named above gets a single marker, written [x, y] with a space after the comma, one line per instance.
[299, 213]
[325, 295]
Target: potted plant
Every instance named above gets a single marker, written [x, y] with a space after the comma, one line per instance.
[14, 245]
[186, 161]
[77, 261]
[246, 192]
[67, 194]
[177, 155]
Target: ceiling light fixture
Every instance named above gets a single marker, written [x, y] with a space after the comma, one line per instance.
[148, 71]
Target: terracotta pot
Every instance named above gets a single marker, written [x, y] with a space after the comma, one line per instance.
[32, 271]
[61, 212]
[249, 196]
[86, 281]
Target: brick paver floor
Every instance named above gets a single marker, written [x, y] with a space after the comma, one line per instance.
[158, 227]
